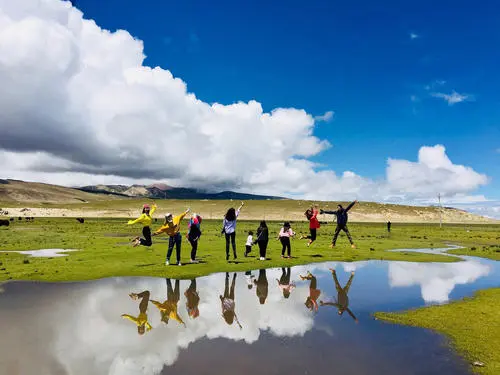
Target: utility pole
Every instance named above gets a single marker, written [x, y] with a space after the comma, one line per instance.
[440, 211]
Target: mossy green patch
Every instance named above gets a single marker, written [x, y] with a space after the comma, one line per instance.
[472, 324]
[106, 249]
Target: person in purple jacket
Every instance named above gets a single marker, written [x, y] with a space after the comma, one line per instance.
[229, 228]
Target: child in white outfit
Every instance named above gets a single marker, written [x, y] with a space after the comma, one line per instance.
[249, 243]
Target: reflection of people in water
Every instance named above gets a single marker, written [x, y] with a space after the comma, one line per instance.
[227, 302]
[284, 282]
[342, 302]
[262, 286]
[314, 293]
[193, 299]
[168, 309]
[250, 278]
[142, 319]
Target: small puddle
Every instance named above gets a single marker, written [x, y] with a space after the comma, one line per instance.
[270, 329]
[42, 253]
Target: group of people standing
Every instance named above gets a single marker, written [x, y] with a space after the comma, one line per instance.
[172, 226]
[169, 308]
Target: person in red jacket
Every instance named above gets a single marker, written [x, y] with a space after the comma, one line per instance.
[314, 225]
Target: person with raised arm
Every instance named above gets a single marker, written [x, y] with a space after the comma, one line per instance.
[229, 228]
[145, 219]
[172, 228]
[312, 215]
[342, 218]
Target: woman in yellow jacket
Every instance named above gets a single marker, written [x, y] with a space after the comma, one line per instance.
[145, 219]
[172, 227]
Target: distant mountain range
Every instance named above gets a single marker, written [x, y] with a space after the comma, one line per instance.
[163, 191]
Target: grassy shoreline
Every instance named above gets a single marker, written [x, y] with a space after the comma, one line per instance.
[106, 250]
[472, 325]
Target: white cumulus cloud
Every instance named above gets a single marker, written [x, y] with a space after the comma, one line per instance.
[78, 107]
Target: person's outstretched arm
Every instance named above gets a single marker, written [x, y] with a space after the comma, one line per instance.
[327, 212]
[160, 230]
[181, 216]
[153, 209]
[350, 206]
[239, 209]
[138, 220]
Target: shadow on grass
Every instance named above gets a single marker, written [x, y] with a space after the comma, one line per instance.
[316, 256]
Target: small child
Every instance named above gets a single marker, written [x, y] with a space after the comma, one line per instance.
[249, 243]
[285, 233]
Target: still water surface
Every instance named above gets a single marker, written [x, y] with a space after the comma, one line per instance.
[257, 327]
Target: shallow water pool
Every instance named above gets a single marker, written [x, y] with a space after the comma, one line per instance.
[78, 328]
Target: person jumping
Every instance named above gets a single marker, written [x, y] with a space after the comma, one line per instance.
[172, 227]
[145, 219]
[311, 215]
[342, 217]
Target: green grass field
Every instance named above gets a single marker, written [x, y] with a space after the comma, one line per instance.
[106, 249]
[473, 325]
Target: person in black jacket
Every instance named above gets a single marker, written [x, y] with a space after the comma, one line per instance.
[342, 217]
[262, 239]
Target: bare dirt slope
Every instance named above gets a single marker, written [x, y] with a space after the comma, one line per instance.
[14, 191]
[43, 200]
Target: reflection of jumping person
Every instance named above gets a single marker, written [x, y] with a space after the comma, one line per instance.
[172, 227]
[342, 217]
[314, 293]
[168, 309]
[262, 286]
[262, 239]
[194, 234]
[142, 319]
[284, 282]
[193, 299]
[145, 219]
[229, 228]
[311, 215]
[227, 301]
[285, 233]
[342, 302]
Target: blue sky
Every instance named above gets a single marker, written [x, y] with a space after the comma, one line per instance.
[374, 64]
